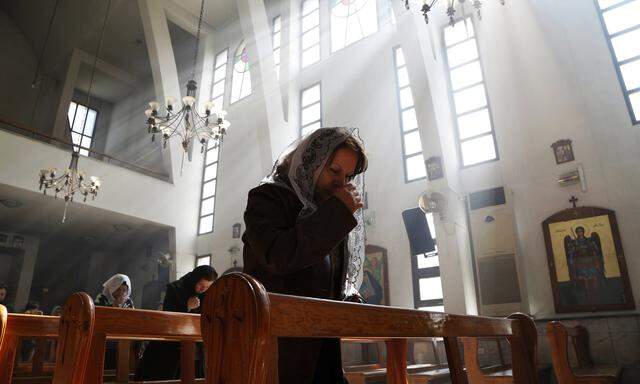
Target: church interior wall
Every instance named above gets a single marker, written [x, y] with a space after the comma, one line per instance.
[17, 97]
[549, 80]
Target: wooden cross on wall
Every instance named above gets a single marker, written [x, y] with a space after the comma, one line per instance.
[573, 200]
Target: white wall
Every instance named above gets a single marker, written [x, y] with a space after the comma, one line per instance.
[17, 97]
[127, 137]
[122, 190]
[550, 76]
[240, 167]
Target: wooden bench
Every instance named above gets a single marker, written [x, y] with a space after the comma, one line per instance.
[124, 324]
[3, 323]
[361, 374]
[492, 375]
[20, 326]
[241, 323]
[585, 372]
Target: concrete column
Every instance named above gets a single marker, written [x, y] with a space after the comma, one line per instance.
[60, 125]
[186, 177]
[257, 34]
[31, 246]
[434, 121]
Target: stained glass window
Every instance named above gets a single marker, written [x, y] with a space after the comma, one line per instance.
[241, 81]
[352, 20]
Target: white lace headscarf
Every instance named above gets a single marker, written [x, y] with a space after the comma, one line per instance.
[114, 283]
[307, 157]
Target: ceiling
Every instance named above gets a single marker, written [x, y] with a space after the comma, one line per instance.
[93, 228]
[217, 13]
[78, 24]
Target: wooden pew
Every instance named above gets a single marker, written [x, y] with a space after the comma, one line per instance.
[585, 372]
[129, 324]
[19, 326]
[496, 375]
[362, 374]
[3, 323]
[241, 323]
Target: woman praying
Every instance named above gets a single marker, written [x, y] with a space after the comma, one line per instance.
[305, 237]
[116, 292]
[161, 360]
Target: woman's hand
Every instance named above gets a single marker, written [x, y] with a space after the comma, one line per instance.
[355, 298]
[350, 197]
[193, 303]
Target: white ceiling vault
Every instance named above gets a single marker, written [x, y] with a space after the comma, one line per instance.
[78, 24]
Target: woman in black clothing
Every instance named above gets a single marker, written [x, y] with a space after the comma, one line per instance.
[161, 360]
[305, 237]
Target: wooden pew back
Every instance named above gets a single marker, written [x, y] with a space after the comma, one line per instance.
[241, 323]
[3, 323]
[500, 374]
[18, 326]
[585, 371]
[135, 324]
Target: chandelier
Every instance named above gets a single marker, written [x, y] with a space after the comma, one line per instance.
[72, 180]
[69, 182]
[188, 124]
[451, 11]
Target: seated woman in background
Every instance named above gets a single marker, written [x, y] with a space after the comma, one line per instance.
[116, 292]
[4, 297]
[305, 237]
[161, 360]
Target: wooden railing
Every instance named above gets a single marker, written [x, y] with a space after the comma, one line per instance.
[119, 324]
[17, 327]
[24, 130]
[241, 323]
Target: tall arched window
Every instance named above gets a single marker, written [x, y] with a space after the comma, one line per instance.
[352, 20]
[241, 81]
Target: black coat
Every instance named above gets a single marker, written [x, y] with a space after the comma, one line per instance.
[161, 360]
[291, 256]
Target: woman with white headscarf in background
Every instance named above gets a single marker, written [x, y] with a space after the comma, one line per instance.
[116, 292]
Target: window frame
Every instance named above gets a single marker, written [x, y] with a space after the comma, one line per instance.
[82, 135]
[199, 257]
[301, 127]
[233, 71]
[425, 273]
[226, 74]
[451, 92]
[635, 120]
[215, 190]
[400, 111]
[319, 44]
[279, 48]
[331, 50]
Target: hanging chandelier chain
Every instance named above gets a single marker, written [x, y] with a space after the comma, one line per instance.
[195, 54]
[98, 50]
[46, 40]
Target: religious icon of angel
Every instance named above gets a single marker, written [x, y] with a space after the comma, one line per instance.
[586, 261]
